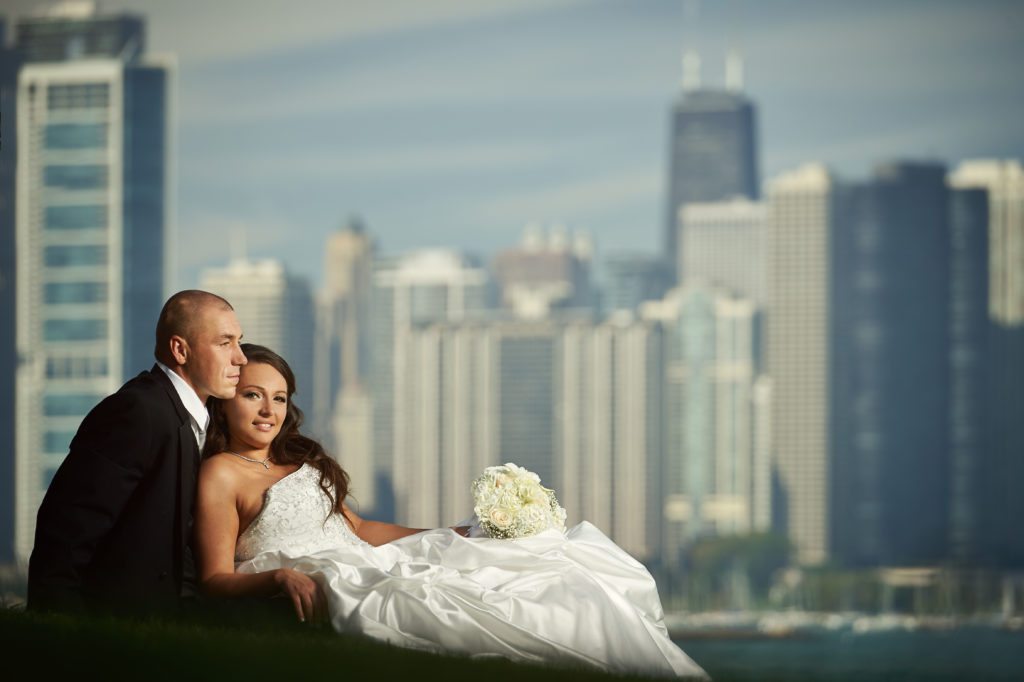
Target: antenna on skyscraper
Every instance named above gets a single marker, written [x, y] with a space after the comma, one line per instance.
[734, 71]
[691, 59]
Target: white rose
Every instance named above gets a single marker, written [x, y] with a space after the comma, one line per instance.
[500, 517]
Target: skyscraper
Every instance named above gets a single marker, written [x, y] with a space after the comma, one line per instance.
[343, 409]
[91, 229]
[9, 65]
[573, 401]
[1003, 182]
[421, 288]
[890, 356]
[800, 225]
[607, 459]
[712, 148]
[708, 472]
[450, 420]
[876, 352]
[973, 532]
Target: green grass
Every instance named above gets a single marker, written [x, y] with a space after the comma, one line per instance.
[112, 649]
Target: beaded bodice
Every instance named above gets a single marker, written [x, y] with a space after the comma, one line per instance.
[292, 520]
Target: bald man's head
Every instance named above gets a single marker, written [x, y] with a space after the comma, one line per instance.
[182, 316]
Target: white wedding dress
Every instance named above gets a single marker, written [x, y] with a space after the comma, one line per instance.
[574, 598]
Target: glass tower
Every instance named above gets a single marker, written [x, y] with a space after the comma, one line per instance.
[90, 232]
[712, 155]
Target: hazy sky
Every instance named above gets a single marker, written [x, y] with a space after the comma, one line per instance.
[456, 122]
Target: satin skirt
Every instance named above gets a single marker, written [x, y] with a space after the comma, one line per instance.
[574, 599]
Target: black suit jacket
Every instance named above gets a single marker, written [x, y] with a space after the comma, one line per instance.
[114, 530]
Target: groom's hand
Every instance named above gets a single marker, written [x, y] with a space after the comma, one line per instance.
[309, 600]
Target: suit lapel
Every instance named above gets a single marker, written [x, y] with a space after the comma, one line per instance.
[188, 456]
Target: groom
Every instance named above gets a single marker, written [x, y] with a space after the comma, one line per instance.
[114, 529]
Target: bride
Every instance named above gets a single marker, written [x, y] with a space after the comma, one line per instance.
[271, 519]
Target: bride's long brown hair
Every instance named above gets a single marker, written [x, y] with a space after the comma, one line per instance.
[290, 446]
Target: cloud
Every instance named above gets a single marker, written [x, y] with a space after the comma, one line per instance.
[577, 199]
[203, 32]
[370, 163]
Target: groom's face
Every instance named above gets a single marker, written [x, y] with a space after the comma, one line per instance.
[215, 357]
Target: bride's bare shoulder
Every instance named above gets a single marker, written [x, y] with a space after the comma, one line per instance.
[218, 471]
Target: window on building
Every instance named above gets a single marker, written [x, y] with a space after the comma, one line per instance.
[74, 330]
[78, 96]
[69, 404]
[85, 176]
[84, 217]
[78, 254]
[57, 441]
[76, 136]
[75, 292]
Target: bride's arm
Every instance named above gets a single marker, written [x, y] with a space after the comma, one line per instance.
[377, 532]
[216, 530]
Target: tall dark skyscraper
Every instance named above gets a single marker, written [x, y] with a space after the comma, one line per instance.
[712, 149]
[908, 320]
[971, 463]
[9, 61]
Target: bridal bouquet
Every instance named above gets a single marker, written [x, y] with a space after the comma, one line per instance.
[510, 503]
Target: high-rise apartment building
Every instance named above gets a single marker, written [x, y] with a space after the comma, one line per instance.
[421, 288]
[876, 352]
[709, 470]
[343, 408]
[890, 283]
[712, 149]
[608, 429]
[574, 402]
[91, 229]
[449, 432]
[800, 226]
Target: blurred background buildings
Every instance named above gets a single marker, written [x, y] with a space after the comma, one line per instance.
[835, 361]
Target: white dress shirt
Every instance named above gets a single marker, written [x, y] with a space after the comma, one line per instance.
[199, 416]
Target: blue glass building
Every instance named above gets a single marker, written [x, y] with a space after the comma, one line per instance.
[90, 231]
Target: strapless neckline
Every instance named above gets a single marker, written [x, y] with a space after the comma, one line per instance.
[297, 517]
[266, 494]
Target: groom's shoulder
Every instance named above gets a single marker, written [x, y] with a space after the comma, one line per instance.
[138, 393]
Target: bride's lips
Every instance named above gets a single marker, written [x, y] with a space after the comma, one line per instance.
[263, 426]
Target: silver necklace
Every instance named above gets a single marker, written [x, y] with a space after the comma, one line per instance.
[264, 462]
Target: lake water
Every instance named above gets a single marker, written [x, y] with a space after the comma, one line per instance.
[965, 654]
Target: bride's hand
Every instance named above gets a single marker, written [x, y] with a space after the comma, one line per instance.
[305, 593]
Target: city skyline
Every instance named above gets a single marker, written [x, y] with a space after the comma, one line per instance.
[459, 123]
[692, 397]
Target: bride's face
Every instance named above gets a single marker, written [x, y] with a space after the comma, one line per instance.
[257, 412]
